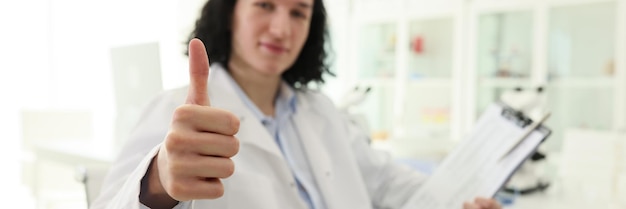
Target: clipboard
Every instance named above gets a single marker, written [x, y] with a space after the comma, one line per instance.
[481, 164]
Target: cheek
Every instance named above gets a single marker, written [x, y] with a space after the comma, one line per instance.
[244, 36]
[245, 40]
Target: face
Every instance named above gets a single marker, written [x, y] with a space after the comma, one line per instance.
[268, 35]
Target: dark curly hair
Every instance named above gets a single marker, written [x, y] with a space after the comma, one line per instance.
[214, 29]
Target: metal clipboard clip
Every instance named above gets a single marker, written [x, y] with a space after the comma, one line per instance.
[522, 121]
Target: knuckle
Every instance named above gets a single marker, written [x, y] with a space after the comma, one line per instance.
[177, 191]
[182, 113]
[174, 140]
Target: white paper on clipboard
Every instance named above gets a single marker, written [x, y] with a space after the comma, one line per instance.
[475, 167]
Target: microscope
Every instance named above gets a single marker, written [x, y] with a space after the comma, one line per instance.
[530, 177]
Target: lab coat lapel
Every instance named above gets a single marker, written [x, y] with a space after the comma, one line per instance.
[310, 127]
[223, 95]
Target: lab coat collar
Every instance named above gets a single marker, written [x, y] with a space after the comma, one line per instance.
[308, 121]
[223, 95]
[310, 125]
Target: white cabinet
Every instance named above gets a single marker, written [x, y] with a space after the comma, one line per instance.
[406, 51]
[434, 66]
[581, 67]
[568, 47]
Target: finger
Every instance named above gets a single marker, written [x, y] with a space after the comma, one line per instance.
[198, 74]
[206, 119]
[494, 204]
[210, 144]
[206, 167]
[197, 188]
[485, 203]
[469, 205]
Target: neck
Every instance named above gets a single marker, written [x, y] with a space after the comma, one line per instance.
[260, 88]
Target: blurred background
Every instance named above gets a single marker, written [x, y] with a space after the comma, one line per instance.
[75, 75]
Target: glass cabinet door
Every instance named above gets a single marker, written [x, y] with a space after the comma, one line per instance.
[430, 49]
[378, 109]
[579, 107]
[377, 51]
[428, 93]
[581, 41]
[505, 45]
[580, 64]
[376, 68]
[427, 111]
[504, 54]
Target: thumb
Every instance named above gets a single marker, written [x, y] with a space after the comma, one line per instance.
[198, 74]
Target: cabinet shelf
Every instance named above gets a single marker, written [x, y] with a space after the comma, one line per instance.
[607, 82]
[437, 65]
[377, 81]
[430, 82]
[504, 82]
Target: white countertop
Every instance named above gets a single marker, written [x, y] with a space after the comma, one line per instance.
[76, 152]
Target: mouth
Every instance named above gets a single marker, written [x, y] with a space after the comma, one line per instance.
[274, 48]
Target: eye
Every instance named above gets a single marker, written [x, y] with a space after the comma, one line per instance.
[298, 14]
[265, 5]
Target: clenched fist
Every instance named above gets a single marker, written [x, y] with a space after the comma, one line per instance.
[197, 150]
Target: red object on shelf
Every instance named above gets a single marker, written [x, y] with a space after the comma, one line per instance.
[417, 45]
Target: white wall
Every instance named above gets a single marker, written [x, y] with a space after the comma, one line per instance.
[174, 62]
[54, 54]
[338, 19]
[22, 76]
[82, 33]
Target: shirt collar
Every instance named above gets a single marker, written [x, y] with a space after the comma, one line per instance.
[287, 95]
[286, 98]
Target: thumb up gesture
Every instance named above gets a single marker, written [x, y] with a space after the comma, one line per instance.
[197, 150]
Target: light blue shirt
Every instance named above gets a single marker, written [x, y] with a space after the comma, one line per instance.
[282, 127]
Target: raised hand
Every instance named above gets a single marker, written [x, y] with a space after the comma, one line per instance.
[198, 147]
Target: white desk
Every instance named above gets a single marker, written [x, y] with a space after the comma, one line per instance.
[569, 192]
[72, 155]
[551, 200]
[89, 154]
[76, 153]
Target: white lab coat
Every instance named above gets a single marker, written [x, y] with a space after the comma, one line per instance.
[349, 174]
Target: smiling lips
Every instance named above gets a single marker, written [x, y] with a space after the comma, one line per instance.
[274, 48]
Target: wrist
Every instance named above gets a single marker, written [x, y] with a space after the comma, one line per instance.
[152, 193]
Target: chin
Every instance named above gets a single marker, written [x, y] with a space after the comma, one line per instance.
[273, 67]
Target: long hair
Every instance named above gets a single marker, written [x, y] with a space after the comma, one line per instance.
[214, 29]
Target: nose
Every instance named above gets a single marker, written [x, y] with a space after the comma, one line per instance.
[279, 26]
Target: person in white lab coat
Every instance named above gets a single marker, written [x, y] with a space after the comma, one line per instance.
[253, 135]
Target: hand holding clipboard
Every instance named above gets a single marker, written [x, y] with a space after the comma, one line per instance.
[482, 163]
